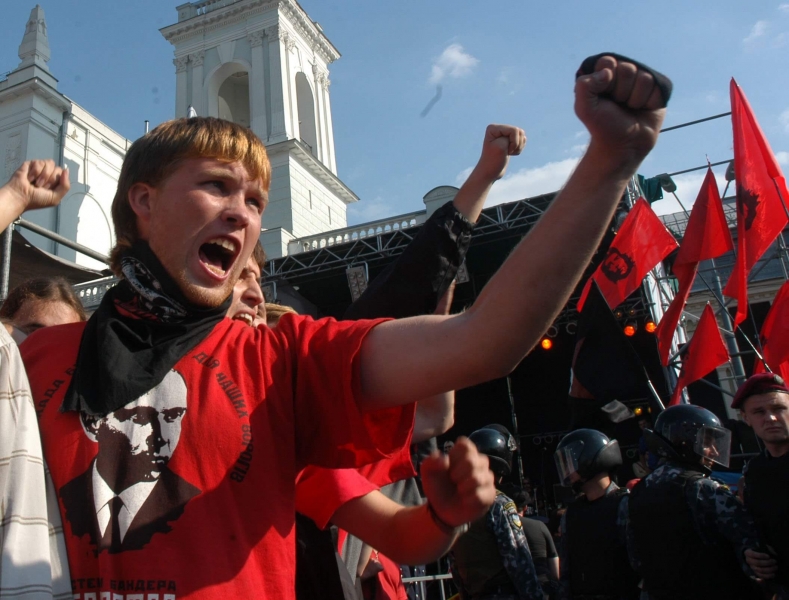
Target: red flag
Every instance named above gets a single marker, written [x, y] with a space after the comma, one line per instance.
[775, 332]
[706, 236]
[760, 185]
[641, 243]
[704, 352]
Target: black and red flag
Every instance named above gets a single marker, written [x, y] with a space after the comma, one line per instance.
[775, 335]
[706, 236]
[641, 242]
[761, 191]
[704, 353]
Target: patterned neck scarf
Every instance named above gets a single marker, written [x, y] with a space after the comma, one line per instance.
[142, 328]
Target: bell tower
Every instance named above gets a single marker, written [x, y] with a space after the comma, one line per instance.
[265, 64]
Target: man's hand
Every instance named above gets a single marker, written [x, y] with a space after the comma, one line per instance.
[501, 142]
[623, 110]
[459, 486]
[763, 565]
[37, 184]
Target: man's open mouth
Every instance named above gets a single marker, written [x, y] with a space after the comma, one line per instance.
[218, 255]
[245, 317]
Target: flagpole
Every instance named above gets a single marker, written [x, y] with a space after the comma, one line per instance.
[655, 394]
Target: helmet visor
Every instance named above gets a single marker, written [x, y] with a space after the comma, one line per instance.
[713, 444]
[566, 459]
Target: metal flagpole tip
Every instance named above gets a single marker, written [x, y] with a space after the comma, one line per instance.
[191, 112]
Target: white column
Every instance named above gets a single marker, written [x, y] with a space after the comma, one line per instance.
[278, 129]
[317, 76]
[196, 60]
[291, 118]
[180, 86]
[257, 86]
[331, 161]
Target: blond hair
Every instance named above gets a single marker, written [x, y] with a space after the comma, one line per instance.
[274, 312]
[156, 155]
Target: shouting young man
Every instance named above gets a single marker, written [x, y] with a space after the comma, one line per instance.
[263, 403]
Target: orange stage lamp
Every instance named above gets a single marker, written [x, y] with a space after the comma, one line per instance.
[546, 343]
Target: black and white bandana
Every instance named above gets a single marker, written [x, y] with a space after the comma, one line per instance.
[142, 328]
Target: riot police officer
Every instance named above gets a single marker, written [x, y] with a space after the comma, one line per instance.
[687, 535]
[764, 404]
[492, 560]
[593, 555]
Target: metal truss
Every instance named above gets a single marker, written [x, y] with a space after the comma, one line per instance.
[515, 217]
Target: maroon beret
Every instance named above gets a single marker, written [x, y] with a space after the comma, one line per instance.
[761, 383]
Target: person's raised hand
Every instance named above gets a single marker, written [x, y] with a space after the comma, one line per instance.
[501, 142]
[38, 184]
[459, 485]
[622, 108]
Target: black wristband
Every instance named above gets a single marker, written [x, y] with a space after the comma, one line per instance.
[662, 82]
[443, 525]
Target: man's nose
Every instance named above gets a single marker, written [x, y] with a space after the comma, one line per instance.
[236, 211]
[254, 294]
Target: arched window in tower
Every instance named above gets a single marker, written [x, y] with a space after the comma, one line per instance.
[233, 99]
[306, 106]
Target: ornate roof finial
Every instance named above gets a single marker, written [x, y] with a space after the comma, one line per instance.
[34, 49]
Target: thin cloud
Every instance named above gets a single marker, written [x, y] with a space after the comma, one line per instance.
[784, 118]
[368, 210]
[454, 62]
[527, 183]
[784, 8]
[757, 31]
[782, 158]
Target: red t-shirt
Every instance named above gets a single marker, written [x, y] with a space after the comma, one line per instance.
[213, 453]
[320, 492]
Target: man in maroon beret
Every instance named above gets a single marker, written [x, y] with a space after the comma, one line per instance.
[763, 401]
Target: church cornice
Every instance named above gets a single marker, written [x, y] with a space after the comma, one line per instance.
[237, 12]
[300, 152]
[39, 87]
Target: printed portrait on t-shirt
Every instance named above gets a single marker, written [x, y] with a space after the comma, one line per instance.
[129, 494]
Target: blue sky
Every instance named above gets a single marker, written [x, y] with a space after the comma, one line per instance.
[505, 61]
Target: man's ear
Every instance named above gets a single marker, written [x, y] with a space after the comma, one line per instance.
[140, 199]
[744, 417]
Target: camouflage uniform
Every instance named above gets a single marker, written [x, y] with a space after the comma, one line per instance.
[715, 512]
[504, 523]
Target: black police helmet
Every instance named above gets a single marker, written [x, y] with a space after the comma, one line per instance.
[497, 442]
[690, 434]
[586, 452]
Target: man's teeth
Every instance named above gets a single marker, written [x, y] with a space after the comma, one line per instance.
[245, 317]
[227, 244]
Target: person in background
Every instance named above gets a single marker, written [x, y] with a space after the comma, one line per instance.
[541, 544]
[687, 534]
[594, 557]
[41, 302]
[493, 560]
[33, 561]
[763, 402]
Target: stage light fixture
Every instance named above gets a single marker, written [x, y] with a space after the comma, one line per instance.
[552, 332]
[357, 280]
[546, 343]
[730, 173]
[667, 183]
[619, 313]
[650, 327]
[631, 312]
[638, 410]
[571, 327]
[630, 329]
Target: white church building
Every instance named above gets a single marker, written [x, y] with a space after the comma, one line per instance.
[260, 63]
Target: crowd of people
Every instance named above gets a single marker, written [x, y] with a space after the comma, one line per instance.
[189, 440]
